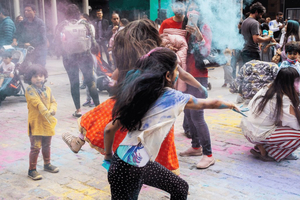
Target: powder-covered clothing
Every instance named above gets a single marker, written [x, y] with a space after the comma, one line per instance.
[40, 104]
[156, 123]
[254, 75]
[126, 181]
[291, 63]
[282, 45]
[257, 128]
[7, 69]
[274, 26]
[169, 23]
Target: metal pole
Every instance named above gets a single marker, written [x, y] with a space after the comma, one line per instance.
[242, 6]
[85, 5]
[54, 14]
[17, 8]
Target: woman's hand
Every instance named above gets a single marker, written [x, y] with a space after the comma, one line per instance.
[195, 31]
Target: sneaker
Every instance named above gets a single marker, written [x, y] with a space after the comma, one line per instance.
[206, 162]
[51, 168]
[291, 157]
[224, 85]
[75, 143]
[192, 152]
[239, 99]
[87, 103]
[34, 175]
[92, 104]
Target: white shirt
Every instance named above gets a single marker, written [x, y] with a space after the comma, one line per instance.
[258, 127]
[274, 25]
[7, 68]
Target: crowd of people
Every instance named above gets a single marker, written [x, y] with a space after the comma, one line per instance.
[159, 71]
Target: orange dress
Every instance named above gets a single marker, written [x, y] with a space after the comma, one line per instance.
[94, 122]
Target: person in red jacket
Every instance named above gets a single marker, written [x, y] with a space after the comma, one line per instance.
[175, 21]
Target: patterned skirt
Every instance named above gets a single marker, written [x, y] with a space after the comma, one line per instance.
[93, 123]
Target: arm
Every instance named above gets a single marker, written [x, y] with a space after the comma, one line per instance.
[197, 104]
[109, 135]
[189, 79]
[259, 39]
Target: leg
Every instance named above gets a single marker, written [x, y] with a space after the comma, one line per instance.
[125, 180]
[283, 142]
[86, 67]
[73, 73]
[36, 144]
[46, 143]
[158, 176]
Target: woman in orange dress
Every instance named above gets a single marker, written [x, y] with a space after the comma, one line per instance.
[135, 40]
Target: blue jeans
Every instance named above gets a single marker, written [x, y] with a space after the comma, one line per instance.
[194, 121]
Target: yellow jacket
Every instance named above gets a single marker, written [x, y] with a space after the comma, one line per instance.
[40, 120]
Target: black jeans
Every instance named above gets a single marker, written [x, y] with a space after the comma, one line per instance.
[84, 62]
[126, 180]
[249, 55]
[194, 121]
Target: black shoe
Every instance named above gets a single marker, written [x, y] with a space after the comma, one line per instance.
[51, 168]
[34, 175]
[87, 103]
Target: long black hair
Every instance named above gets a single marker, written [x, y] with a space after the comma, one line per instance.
[282, 85]
[143, 86]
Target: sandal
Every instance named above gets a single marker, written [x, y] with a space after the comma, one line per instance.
[257, 154]
[77, 114]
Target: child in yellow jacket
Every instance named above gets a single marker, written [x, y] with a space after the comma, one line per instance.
[41, 121]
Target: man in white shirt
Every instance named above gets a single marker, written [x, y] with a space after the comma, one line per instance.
[276, 25]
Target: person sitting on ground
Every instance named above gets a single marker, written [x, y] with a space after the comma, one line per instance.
[274, 113]
[6, 70]
[292, 50]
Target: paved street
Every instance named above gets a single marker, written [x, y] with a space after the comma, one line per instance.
[235, 175]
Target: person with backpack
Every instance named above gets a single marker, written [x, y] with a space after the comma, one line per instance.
[76, 48]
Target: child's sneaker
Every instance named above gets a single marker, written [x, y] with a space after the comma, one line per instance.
[75, 143]
[51, 168]
[34, 175]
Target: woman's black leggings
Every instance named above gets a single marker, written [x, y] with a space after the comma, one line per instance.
[85, 63]
[126, 180]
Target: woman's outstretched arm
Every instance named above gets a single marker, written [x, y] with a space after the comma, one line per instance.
[197, 104]
[189, 79]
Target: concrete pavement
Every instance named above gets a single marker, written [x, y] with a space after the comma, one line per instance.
[235, 175]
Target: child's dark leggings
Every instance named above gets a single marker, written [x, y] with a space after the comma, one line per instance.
[38, 142]
[126, 180]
